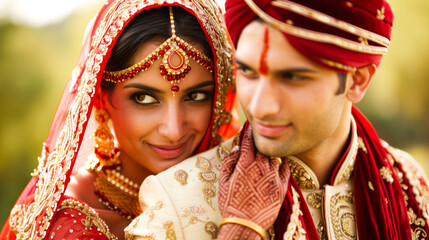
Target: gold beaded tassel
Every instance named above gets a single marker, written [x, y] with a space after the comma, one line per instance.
[175, 73]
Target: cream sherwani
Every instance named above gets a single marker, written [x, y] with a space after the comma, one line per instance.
[181, 202]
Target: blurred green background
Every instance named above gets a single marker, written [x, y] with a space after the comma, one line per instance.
[35, 64]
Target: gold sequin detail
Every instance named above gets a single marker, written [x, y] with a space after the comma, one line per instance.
[386, 174]
[319, 36]
[181, 176]
[343, 221]
[370, 185]
[212, 229]
[418, 232]
[380, 13]
[314, 200]
[321, 231]
[300, 175]
[362, 145]
[92, 218]
[222, 152]
[169, 231]
[209, 177]
[363, 41]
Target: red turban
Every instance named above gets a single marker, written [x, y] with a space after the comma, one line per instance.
[341, 35]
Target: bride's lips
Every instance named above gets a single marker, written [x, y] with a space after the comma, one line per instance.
[168, 151]
[268, 130]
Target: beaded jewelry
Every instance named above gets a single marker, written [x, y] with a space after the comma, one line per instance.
[114, 190]
[172, 73]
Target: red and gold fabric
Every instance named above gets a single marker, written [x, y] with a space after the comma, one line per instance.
[375, 192]
[341, 35]
[39, 203]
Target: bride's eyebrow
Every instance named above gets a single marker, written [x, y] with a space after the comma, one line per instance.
[143, 87]
[200, 85]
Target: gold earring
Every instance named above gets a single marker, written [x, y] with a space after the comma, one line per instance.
[105, 149]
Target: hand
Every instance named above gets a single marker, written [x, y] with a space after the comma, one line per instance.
[252, 187]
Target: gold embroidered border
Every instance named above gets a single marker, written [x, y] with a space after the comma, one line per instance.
[316, 36]
[328, 20]
[303, 175]
[92, 216]
[420, 191]
[338, 221]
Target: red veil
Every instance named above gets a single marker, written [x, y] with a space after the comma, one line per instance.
[33, 212]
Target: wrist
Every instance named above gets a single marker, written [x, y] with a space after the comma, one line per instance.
[245, 226]
[237, 232]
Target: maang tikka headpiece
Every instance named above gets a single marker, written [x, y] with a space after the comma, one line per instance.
[172, 73]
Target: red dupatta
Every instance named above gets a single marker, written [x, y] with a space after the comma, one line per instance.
[35, 209]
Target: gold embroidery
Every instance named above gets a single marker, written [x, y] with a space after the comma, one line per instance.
[347, 223]
[417, 224]
[363, 41]
[208, 177]
[181, 176]
[92, 218]
[370, 185]
[321, 231]
[169, 231]
[294, 228]
[344, 223]
[222, 152]
[386, 174]
[419, 188]
[418, 232]
[314, 200]
[301, 176]
[380, 13]
[212, 229]
[331, 21]
[194, 209]
[338, 65]
[323, 37]
[158, 205]
[42, 162]
[272, 233]
[87, 221]
[362, 145]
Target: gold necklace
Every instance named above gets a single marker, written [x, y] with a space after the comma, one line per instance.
[114, 190]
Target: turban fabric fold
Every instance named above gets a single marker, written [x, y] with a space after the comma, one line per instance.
[332, 33]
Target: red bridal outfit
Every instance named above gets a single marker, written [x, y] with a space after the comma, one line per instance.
[43, 210]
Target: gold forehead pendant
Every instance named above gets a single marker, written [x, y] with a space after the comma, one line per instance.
[172, 72]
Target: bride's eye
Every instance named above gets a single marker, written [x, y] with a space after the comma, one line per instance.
[197, 96]
[143, 98]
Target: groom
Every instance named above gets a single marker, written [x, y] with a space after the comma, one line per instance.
[308, 164]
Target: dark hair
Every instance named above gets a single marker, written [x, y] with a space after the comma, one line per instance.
[154, 25]
[342, 77]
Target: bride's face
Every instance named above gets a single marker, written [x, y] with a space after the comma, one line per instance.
[154, 128]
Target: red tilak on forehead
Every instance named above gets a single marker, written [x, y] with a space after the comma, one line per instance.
[263, 67]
